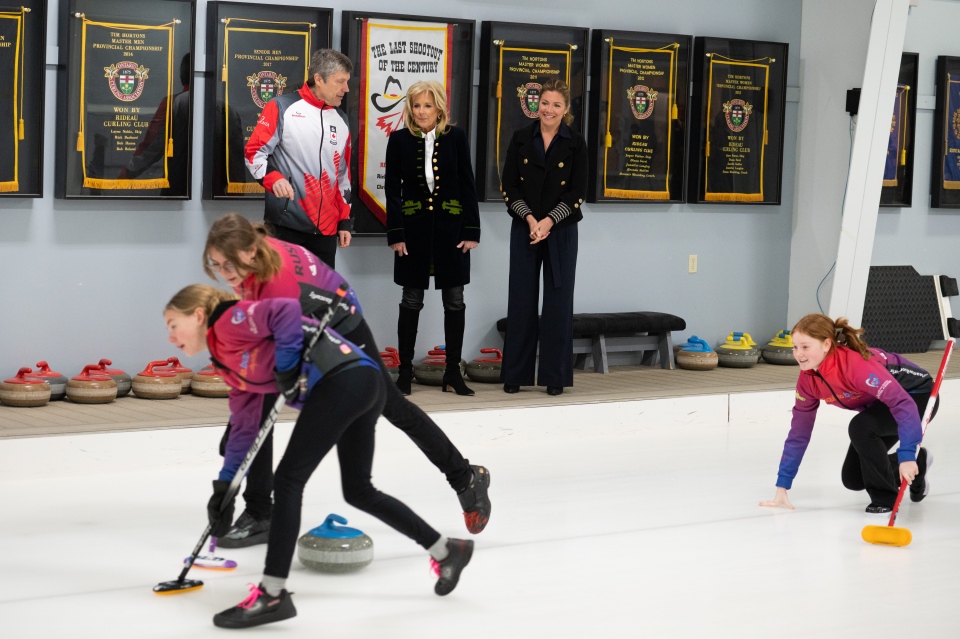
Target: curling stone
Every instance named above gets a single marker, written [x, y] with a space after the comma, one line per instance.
[738, 352]
[207, 382]
[332, 548]
[155, 383]
[92, 386]
[779, 350]
[23, 391]
[57, 381]
[486, 370]
[697, 356]
[124, 382]
[185, 374]
[391, 359]
[679, 347]
[429, 370]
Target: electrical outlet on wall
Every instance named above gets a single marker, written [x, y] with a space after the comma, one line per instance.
[692, 264]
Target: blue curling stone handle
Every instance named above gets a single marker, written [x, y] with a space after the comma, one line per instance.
[330, 530]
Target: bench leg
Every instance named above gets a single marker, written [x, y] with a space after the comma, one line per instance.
[600, 364]
[666, 350]
[580, 361]
[649, 357]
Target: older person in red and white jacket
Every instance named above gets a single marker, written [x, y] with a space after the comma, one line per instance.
[300, 152]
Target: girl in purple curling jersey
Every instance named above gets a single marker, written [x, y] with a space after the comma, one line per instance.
[889, 395]
[257, 345]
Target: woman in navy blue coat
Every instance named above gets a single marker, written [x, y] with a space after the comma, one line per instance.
[433, 222]
[544, 183]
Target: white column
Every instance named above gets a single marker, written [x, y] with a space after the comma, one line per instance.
[869, 156]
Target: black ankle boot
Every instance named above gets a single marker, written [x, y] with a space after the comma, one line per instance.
[453, 379]
[405, 379]
[407, 326]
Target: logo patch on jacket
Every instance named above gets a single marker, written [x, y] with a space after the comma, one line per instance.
[238, 316]
[800, 397]
[333, 135]
[873, 381]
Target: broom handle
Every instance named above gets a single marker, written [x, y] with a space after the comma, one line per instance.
[265, 429]
[927, 416]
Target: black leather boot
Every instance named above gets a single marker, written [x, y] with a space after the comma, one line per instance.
[453, 326]
[406, 345]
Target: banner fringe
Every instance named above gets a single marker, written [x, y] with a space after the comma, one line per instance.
[244, 187]
[951, 185]
[80, 141]
[608, 140]
[134, 185]
[637, 195]
[733, 197]
[170, 148]
[889, 182]
[9, 187]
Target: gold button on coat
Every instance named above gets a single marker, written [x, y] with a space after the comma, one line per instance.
[560, 165]
[562, 182]
[524, 160]
[429, 208]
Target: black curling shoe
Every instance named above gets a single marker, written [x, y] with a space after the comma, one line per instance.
[257, 609]
[877, 509]
[554, 390]
[245, 532]
[448, 571]
[475, 501]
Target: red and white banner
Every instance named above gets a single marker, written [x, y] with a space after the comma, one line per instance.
[395, 55]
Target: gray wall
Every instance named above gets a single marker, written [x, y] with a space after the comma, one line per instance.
[85, 280]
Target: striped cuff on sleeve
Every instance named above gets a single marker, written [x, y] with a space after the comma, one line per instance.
[520, 209]
[559, 212]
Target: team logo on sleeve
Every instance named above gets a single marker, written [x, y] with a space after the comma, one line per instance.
[800, 398]
[238, 316]
[642, 101]
[126, 80]
[737, 113]
[265, 86]
[873, 381]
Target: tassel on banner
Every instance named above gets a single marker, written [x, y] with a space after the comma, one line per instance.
[223, 73]
[170, 148]
[80, 141]
[21, 128]
[676, 112]
[903, 157]
[608, 141]
[499, 90]
[766, 137]
[707, 154]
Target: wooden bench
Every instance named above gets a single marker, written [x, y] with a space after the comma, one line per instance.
[596, 334]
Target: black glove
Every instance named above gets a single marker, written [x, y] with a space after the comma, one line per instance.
[220, 522]
[288, 382]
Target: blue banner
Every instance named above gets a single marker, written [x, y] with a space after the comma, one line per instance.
[951, 132]
[896, 147]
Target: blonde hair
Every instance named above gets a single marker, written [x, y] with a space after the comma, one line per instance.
[821, 327]
[559, 86]
[195, 296]
[438, 96]
[233, 233]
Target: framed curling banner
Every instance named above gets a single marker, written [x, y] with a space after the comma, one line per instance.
[897, 188]
[124, 99]
[945, 170]
[390, 53]
[255, 52]
[638, 106]
[515, 61]
[23, 29]
[739, 100]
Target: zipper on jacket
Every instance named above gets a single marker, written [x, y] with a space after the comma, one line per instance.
[817, 373]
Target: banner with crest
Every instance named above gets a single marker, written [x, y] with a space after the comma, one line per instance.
[11, 98]
[394, 55]
[736, 129]
[126, 84]
[522, 72]
[896, 146]
[261, 60]
[951, 134]
[641, 110]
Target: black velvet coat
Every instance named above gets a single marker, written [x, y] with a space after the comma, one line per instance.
[543, 185]
[431, 223]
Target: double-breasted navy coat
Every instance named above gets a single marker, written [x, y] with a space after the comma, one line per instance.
[431, 223]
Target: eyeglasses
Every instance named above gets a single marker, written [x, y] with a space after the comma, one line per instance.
[226, 267]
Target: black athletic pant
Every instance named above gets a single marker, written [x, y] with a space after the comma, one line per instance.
[398, 410]
[341, 411]
[867, 465]
[323, 246]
